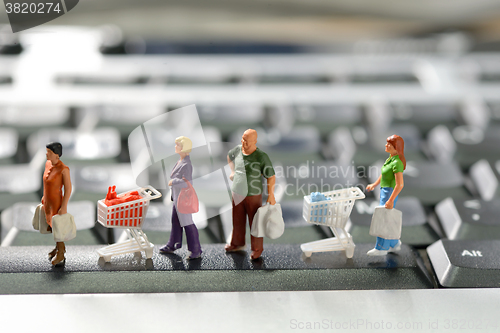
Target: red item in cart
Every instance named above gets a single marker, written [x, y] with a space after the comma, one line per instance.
[112, 199]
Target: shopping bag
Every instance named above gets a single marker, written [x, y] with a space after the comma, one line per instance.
[63, 227]
[268, 222]
[187, 203]
[386, 223]
[39, 222]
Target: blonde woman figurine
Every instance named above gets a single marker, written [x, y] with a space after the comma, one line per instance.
[182, 169]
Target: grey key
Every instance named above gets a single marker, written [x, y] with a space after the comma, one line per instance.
[472, 219]
[289, 270]
[102, 144]
[327, 117]
[425, 115]
[466, 263]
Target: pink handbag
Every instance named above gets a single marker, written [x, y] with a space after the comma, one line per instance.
[187, 203]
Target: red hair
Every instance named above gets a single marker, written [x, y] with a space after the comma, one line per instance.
[399, 144]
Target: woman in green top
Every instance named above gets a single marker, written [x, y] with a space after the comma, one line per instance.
[391, 183]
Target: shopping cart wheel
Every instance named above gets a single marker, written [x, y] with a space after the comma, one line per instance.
[349, 252]
[107, 258]
[308, 253]
[149, 253]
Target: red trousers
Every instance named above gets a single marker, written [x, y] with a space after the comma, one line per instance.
[243, 206]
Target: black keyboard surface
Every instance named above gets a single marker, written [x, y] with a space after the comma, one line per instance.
[320, 137]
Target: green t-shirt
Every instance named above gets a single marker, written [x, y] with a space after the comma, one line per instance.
[248, 171]
[391, 166]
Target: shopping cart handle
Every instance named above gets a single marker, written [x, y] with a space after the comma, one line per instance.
[151, 192]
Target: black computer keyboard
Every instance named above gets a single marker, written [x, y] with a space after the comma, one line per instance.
[305, 124]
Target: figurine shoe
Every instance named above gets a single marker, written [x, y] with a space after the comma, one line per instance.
[52, 253]
[233, 248]
[396, 248]
[59, 259]
[376, 252]
[194, 255]
[168, 249]
[255, 254]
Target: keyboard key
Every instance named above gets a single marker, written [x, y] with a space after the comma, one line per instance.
[416, 229]
[19, 182]
[326, 117]
[122, 117]
[9, 139]
[464, 144]
[469, 218]
[424, 116]
[229, 117]
[101, 145]
[485, 176]
[466, 263]
[26, 119]
[291, 272]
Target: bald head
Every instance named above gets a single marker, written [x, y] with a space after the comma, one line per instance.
[249, 141]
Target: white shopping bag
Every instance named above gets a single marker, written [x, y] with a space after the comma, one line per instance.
[39, 222]
[268, 222]
[386, 223]
[63, 227]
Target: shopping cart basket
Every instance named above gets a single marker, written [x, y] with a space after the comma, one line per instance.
[129, 216]
[333, 213]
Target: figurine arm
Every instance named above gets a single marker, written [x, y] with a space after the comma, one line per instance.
[270, 190]
[371, 187]
[67, 192]
[397, 189]
[186, 171]
[231, 165]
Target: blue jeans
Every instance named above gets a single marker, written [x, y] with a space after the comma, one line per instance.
[382, 243]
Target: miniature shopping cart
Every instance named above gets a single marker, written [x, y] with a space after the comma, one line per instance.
[333, 213]
[129, 216]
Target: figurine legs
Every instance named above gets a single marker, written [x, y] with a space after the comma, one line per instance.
[193, 241]
[175, 241]
[53, 253]
[61, 249]
[246, 206]
[384, 246]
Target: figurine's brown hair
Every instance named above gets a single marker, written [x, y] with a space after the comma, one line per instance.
[399, 144]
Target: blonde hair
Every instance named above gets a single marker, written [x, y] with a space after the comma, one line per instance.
[186, 144]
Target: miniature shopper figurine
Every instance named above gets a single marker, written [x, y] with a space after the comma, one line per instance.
[391, 183]
[55, 202]
[248, 163]
[182, 169]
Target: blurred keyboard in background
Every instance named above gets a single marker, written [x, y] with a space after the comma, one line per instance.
[313, 112]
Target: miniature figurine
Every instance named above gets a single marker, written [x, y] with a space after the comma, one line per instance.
[182, 169]
[55, 202]
[248, 163]
[391, 183]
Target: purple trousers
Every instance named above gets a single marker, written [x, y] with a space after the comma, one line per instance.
[192, 236]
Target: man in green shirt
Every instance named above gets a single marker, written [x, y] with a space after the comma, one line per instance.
[248, 163]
